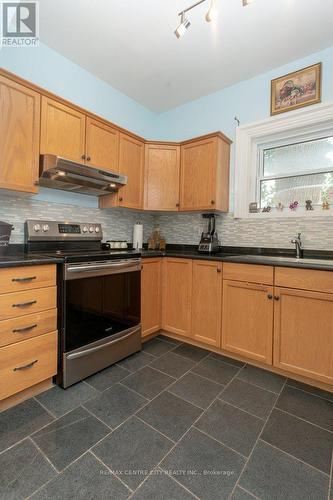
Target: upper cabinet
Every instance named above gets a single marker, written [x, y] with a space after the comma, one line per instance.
[62, 130]
[162, 169]
[102, 145]
[204, 179]
[19, 136]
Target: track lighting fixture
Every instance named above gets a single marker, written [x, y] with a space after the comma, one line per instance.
[211, 14]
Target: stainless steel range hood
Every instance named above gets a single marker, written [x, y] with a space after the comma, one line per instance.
[59, 173]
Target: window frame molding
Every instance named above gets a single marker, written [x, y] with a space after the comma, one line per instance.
[249, 141]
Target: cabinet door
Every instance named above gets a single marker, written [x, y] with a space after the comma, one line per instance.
[131, 163]
[150, 296]
[162, 168]
[207, 301]
[176, 296]
[19, 136]
[198, 175]
[303, 333]
[102, 145]
[62, 130]
[247, 320]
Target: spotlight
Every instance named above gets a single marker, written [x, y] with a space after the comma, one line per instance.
[247, 2]
[184, 25]
[212, 12]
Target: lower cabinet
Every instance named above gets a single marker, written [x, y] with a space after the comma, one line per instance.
[207, 301]
[151, 296]
[177, 295]
[247, 320]
[303, 333]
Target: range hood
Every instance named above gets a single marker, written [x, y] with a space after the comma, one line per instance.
[59, 173]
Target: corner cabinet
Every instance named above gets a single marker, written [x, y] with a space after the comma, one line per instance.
[207, 301]
[62, 130]
[162, 170]
[204, 179]
[19, 136]
[177, 295]
[151, 296]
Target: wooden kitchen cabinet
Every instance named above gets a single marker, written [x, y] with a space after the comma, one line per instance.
[247, 320]
[204, 179]
[151, 296]
[162, 170]
[62, 130]
[19, 136]
[177, 295]
[207, 301]
[303, 333]
[102, 145]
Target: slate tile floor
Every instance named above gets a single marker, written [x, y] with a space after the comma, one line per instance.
[171, 422]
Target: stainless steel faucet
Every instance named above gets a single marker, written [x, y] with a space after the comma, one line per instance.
[298, 244]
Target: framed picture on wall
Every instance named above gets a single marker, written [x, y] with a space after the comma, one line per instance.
[295, 90]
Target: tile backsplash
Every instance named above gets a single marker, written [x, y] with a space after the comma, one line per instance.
[186, 228]
[117, 223]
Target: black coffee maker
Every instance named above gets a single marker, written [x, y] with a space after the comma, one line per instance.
[209, 242]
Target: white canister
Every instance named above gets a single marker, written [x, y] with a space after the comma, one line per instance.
[137, 236]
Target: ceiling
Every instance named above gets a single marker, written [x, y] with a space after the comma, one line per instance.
[131, 45]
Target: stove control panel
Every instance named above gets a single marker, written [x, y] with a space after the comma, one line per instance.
[41, 230]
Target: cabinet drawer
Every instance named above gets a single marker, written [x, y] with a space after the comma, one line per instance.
[27, 363]
[17, 304]
[28, 326]
[16, 279]
[305, 279]
[252, 273]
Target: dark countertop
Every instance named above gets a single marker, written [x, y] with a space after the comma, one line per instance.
[23, 259]
[320, 260]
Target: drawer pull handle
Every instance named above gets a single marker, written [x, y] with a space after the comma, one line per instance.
[25, 367]
[22, 280]
[25, 304]
[25, 329]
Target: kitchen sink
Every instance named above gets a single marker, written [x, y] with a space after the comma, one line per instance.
[292, 260]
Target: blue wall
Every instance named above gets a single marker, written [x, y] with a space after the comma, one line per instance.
[249, 100]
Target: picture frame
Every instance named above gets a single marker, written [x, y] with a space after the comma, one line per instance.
[296, 90]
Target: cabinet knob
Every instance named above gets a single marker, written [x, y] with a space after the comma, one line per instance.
[219, 270]
[212, 202]
[120, 199]
[270, 296]
[88, 158]
[177, 204]
[83, 157]
[276, 297]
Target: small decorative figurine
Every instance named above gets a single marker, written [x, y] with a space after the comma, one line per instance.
[293, 205]
[325, 205]
[308, 205]
[280, 206]
[267, 209]
[253, 208]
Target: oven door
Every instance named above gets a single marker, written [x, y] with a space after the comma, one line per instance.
[101, 316]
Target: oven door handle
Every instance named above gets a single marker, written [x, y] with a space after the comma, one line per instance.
[80, 354]
[115, 265]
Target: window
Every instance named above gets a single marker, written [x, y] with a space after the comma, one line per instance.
[296, 172]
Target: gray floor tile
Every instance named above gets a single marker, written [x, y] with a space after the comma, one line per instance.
[173, 365]
[191, 352]
[240, 494]
[170, 415]
[262, 378]
[250, 398]
[157, 347]
[20, 421]
[217, 467]
[148, 382]
[108, 377]
[136, 361]
[231, 426]
[305, 441]
[195, 389]
[271, 474]
[65, 439]
[60, 401]
[160, 486]
[166, 338]
[23, 469]
[216, 370]
[311, 389]
[116, 404]
[85, 479]
[132, 451]
[316, 410]
[226, 359]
